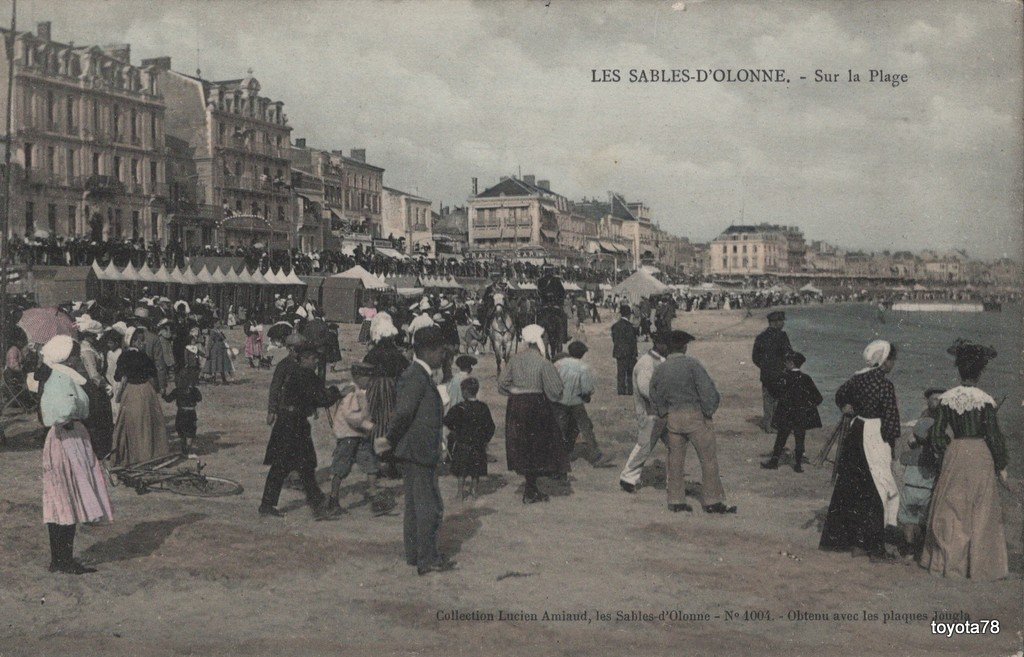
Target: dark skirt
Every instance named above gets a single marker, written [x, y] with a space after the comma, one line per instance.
[185, 423]
[291, 443]
[855, 518]
[100, 422]
[468, 459]
[533, 443]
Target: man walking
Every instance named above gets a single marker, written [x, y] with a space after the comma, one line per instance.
[624, 350]
[571, 410]
[650, 428]
[685, 396]
[770, 349]
[281, 372]
[415, 434]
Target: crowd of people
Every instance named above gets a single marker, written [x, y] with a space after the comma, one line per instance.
[413, 406]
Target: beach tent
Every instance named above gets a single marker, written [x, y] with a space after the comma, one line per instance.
[293, 279]
[369, 281]
[146, 274]
[163, 276]
[639, 285]
[217, 277]
[130, 273]
[810, 289]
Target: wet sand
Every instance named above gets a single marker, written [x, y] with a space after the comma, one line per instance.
[191, 576]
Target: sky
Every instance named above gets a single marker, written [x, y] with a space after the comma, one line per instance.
[439, 92]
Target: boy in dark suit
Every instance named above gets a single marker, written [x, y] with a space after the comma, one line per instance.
[797, 411]
[415, 434]
[624, 351]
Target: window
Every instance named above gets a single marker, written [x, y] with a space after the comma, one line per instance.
[117, 167]
[30, 219]
[152, 128]
[135, 224]
[51, 159]
[725, 263]
[95, 116]
[735, 261]
[118, 232]
[753, 262]
[72, 221]
[28, 156]
[71, 163]
[51, 218]
[155, 232]
[70, 116]
[238, 169]
[51, 111]
[220, 133]
[117, 122]
[135, 170]
[152, 172]
[755, 249]
[134, 127]
[744, 248]
[280, 213]
[95, 164]
[238, 206]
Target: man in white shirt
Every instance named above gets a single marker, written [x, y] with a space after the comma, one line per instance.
[650, 429]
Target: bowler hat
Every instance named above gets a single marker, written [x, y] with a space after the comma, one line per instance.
[776, 316]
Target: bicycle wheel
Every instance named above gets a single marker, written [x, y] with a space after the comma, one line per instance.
[201, 485]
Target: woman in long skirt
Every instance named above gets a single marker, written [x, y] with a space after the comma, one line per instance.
[388, 361]
[965, 525]
[865, 502]
[533, 443]
[140, 433]
[218, 360]
[74, 486]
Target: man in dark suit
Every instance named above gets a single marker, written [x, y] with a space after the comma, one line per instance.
[624, 350]
[770, 348]
[415, 434]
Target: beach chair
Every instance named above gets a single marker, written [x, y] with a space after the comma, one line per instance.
[14, 394]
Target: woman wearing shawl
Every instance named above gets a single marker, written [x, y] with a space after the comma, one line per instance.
[218, 360]
[533, 443]
[965, 524]
[389, 363]
[140, 433]
[100, 422]
[865, 502]
[74, 487]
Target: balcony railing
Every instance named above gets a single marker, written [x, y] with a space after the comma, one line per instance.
[100, 185]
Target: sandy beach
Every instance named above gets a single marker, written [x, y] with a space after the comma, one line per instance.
[617, 574]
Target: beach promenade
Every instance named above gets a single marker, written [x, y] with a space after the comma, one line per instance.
[617, 574]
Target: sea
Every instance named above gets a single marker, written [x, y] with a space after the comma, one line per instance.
[832, 338]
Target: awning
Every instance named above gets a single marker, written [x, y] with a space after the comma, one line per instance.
[607, 247]
[390, 253]
[550, 234]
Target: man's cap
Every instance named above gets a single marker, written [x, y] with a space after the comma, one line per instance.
[680, 338]
[776, 316]
[625, 311]
[464, 361]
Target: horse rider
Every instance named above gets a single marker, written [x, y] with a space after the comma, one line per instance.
[486, 309]
[550, 288]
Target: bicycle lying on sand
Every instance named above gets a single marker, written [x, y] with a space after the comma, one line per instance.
[157, 475]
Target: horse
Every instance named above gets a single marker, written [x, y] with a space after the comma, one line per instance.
[555, 324]
[502, 332]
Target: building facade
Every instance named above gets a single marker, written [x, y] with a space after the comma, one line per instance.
[240, 144]
[408, 218]
[522, 218]
[87, 141]
[362, 193]
[751, 250]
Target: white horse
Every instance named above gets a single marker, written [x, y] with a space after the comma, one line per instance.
[502, 332]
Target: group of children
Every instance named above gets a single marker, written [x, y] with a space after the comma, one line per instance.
[468, 420]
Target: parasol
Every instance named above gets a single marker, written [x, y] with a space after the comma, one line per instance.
[41, 324]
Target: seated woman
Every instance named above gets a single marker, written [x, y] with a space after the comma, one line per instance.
[965, 525]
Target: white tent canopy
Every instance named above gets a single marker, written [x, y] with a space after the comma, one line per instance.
[368, 280]
[639, 285]
[293, 279]
[810, 289]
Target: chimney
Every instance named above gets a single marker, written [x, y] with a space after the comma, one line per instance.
[475, 187]
[300, 142]
[122, 52]
[358, 154]
[43, 30]
[530, 179]
[159, 63]
[544, 184]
